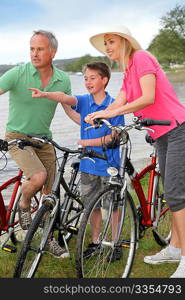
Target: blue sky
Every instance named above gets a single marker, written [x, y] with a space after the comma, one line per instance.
[73, 22]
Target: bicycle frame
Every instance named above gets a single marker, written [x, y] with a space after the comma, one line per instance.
[5, 212]
[136, 177]
[146, 203]
[59, 180]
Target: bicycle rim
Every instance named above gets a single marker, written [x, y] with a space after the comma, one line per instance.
[118, 231]
[162, 215]
[33, 246]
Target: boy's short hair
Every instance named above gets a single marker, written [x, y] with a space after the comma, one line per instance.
[101, 67]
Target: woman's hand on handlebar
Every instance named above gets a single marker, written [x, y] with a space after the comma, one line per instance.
[102, 114]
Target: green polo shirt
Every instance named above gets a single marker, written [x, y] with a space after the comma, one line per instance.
[29, 115]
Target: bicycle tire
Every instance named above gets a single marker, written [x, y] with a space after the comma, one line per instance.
[34, 243]
[17, 234]
[162, 215]
[98, 264]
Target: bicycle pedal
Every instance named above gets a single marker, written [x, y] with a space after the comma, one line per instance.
[9, 249]
[72, 229]
[125, 244]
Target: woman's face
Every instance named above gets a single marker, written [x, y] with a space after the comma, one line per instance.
[112, 44]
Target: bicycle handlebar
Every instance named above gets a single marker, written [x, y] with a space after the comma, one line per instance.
[138, 123]
[82, 151]
[21, 143]
[151, 122]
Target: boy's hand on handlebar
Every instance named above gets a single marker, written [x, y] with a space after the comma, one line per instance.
[36, 93]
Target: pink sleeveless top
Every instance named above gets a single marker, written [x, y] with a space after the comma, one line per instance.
[166, 105]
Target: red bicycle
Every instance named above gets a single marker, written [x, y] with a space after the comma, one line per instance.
[9, 223]
[124, 220]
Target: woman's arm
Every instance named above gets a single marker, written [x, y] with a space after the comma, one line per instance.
[55, 96]
[120, 107]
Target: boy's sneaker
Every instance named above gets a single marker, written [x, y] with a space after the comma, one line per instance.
[115, 255]
[24, 217]
[164, 256]
[91, 250]
[53, 248]
[180, 272]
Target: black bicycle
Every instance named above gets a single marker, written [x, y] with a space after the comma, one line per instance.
[57, 213]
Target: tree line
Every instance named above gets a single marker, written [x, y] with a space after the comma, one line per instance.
[168, 46]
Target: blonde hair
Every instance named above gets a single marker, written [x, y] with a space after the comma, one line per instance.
[126, 51]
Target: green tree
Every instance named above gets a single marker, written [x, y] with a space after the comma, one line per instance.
[77, 65]
[169, 45]
[174, 20]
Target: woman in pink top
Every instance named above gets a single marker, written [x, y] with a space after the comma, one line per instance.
[146, 92]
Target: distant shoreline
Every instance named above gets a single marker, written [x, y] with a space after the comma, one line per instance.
[177, 76]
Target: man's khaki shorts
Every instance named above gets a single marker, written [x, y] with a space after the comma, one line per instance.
[32, 160]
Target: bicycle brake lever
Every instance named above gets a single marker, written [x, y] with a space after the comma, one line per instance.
[86, 157]
[149, 129]
[93, 126]
[138, 127]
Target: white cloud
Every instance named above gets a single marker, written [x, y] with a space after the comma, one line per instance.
[74, 22]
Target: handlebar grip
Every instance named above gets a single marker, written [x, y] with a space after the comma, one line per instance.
[92, 153]
[25, 143]
[3, 145]
[151, 122]
[99, 155]
[97, 123]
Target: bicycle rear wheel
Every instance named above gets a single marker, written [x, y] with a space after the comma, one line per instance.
[118, 232]
[161, 214]
[35, 241]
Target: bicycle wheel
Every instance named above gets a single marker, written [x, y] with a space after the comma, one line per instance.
[17, 233]
[118, 230]
[161, 214]
[72, 207]
[34, 243]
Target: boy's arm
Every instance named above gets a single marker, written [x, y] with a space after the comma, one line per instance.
[96, 142]
[55, 96]
[1, 92]
[72, 114]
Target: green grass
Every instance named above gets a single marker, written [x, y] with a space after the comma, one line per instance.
[51, 267]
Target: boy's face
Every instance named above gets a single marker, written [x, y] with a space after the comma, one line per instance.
[93, 81]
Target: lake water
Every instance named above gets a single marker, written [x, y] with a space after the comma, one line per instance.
[66, 132]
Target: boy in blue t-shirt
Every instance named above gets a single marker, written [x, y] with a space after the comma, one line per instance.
[93, 175]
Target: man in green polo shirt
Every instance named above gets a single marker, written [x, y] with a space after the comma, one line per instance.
[28, 116]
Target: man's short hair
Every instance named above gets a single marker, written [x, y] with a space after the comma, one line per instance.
[50, 36]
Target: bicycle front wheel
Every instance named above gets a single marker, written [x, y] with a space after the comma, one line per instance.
[18, 234]
[161, 214]
[34, 243]
[117, 236]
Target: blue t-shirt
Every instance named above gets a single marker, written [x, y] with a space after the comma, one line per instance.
[86, 105]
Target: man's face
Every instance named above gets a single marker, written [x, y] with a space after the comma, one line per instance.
[40, 51]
